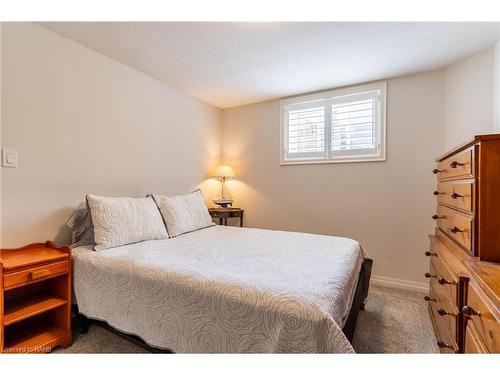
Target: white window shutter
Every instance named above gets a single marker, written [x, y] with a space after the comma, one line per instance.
[335, 126]
[355, 124]
[305, 131]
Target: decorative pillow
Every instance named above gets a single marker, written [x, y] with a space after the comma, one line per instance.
[122, 221]
[81, 227]
[184, 213]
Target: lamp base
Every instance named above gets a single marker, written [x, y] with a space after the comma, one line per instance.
[223, 202]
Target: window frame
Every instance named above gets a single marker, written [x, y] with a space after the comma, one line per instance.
[326, 98]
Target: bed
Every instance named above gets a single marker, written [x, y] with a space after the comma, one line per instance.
[228, 290]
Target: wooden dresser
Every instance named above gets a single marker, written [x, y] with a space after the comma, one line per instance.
[35, 298]
[464, 253]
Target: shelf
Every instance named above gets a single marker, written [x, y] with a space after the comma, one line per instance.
[31, 305]
[33, 337]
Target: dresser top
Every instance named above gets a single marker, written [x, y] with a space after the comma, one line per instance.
[31, 255]
[477, 138]
[487, 275]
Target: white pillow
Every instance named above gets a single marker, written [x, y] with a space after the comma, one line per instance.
[184, 213]
[122, 221]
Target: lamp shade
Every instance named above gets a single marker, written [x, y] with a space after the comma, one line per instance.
[224, 171]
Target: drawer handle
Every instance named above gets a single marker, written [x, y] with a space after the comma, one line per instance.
[429, 276]
[429, 299]
[455, 230]
[436, 217]
[38, 274]
[436, 192]
[429, 254]
[469, 312]
[443, 281]
[443, 312]
[456, 195]
[436, 171]
[442, 344]
[455, 164]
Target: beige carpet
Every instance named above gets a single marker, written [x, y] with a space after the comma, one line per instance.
[395, 321]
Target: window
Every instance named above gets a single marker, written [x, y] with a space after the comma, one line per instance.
[343, 125]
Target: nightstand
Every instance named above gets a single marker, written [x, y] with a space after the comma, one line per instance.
[35, 298]
[223, 213]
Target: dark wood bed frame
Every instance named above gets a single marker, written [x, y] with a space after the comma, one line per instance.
[358, 303]
[360, 296]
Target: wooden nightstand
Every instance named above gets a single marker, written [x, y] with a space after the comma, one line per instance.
[223, 213]
[35, 298]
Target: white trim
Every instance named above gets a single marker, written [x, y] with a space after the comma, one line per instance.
[399, 283]
[331, 161]
[335, 92]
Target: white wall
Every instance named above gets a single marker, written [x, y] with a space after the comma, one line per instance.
[84, 123]
[469, 99]
[386, 206]
[496, 89]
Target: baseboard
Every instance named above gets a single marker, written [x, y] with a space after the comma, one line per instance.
[399, 283]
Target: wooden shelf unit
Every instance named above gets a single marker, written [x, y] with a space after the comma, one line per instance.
[35, 298]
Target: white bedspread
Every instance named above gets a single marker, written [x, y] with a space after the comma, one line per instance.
[225, 289]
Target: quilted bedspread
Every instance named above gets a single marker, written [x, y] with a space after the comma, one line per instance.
[225, 290]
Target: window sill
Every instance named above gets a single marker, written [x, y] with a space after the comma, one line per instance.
[335, 161]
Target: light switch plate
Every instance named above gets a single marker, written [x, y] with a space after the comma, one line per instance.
[9, 158]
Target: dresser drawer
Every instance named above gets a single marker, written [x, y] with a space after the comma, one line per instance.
[456, 166]
[458, 194]
[456, 225]
[483, 318]
[34, 274]
[445, 312]
[444, 340]
[473, 342]
[443, 279]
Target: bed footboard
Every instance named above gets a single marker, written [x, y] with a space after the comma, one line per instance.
[366, 271]
[359, 300]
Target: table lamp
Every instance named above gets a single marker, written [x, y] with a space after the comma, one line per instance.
[223, 172]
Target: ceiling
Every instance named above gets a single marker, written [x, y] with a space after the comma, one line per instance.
[231, 64]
